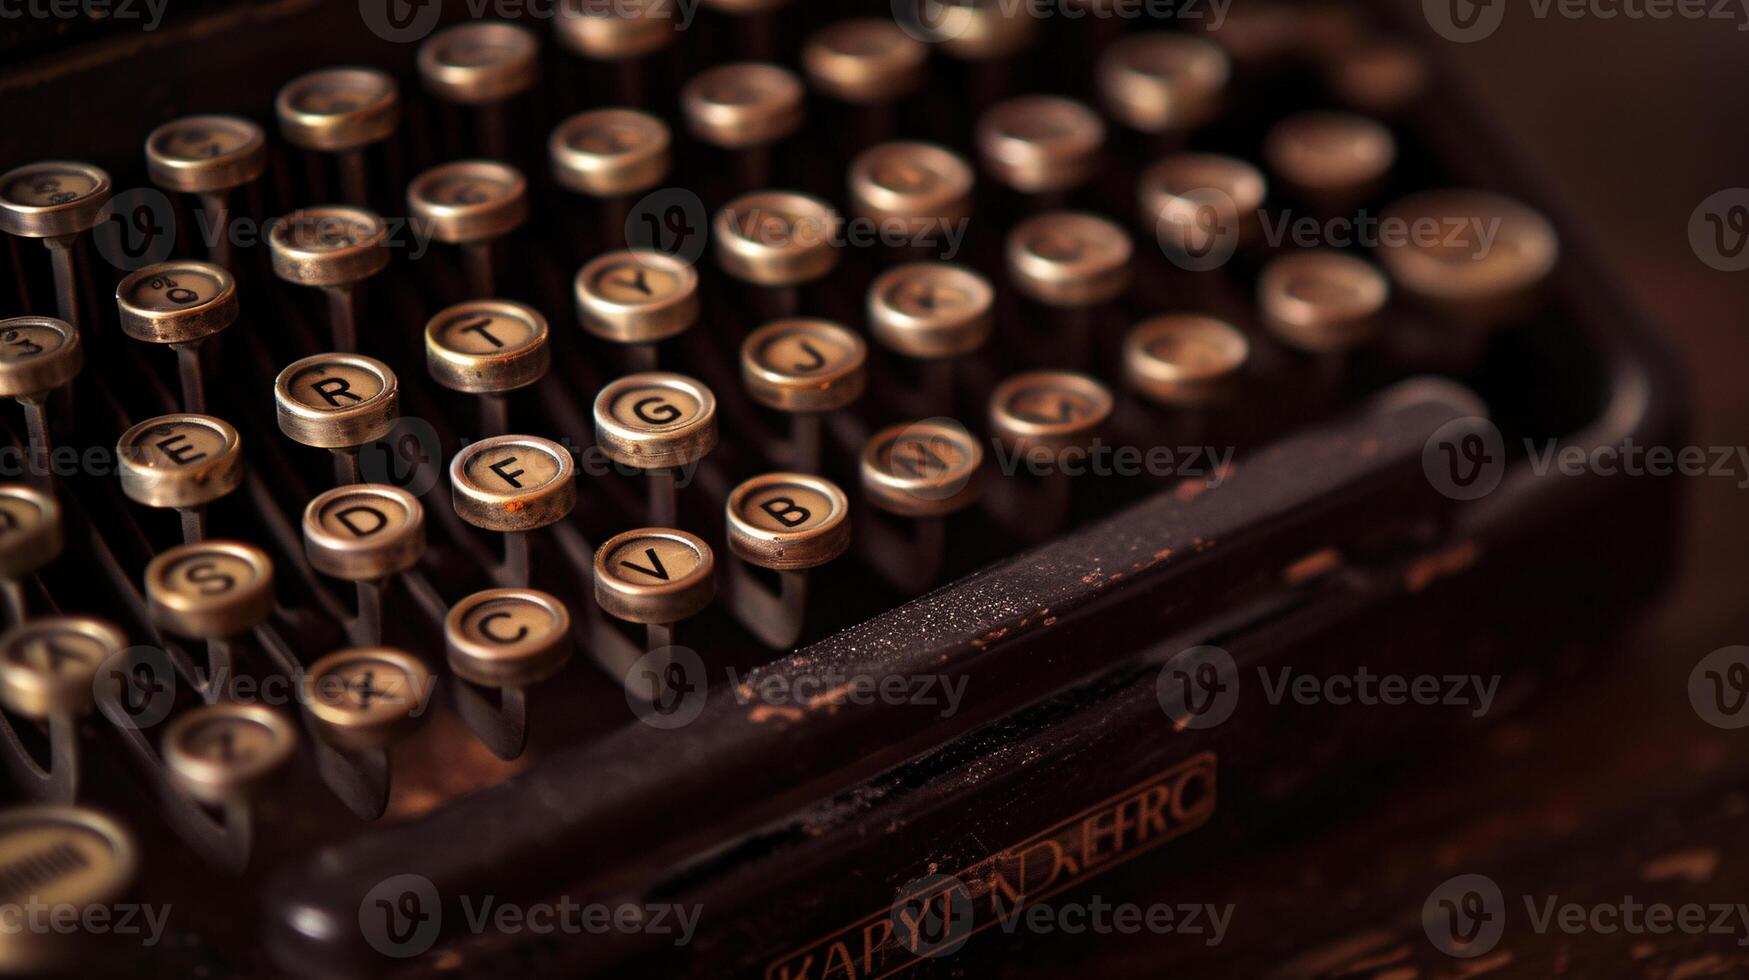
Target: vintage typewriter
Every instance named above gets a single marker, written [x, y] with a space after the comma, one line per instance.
[761, 483]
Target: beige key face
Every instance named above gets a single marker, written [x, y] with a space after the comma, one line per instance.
[337, 94]
[631, 283]
[1338, 290]
[466, 190]
[326, 232]
[614, 138]
[57, 862]
[654, 408]
[510, 621]
[18, 517]
[1052, 405]
[511, 468]
[204, 140]
[788, 508]
[58, 656]
[926, 458]
[230, 741]
[174, 445]
[471, 51]
[48, 185]
[802, 353]
[908, 176]
[1198, 352]
[363, 516]
[772, 228]
[652, 561]
[174, 290]
[19, 343]
[334, 386]
[1071, 247]
[926, 297]
[368, 690]
[209, 575]
[480, 331]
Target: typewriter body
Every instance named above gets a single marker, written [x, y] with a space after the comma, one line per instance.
[317, 744]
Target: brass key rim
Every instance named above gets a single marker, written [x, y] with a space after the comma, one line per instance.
[35, 693]
[931, 336]
[370, 558]
[1083, 281]
[53, 220]
[597, 29]
[676, 443]
[1063, 159]
[193, 484]
[494, 372]
[369, 728]
[513, 663]
[808, 547]
[338, 428]
[1156, 102]
[237, 610]
[28, 950]
[790, 391]
[364, 254]
[524, 509]
[607, 174]
[633, 323]
[859, 73]
[195, 175]
[486, 83]
[774, 113]
[29, 546]
[476, 221]
[1190, 385]
[922, 495]
[1345, 316]
[216, 782]
[349, 129]
[808, 250]
[669, 602]
[1023, 434]
[44, 371]
[950, 200]
[185, 324]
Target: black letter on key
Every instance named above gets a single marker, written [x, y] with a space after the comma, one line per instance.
[180, 455]
[345, 517]
[509, 478]
[780, 509]
[334, 389]
[662, 414]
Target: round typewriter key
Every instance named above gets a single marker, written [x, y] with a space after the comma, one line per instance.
[30, 530]
[1202, 206]
[923, 186]
[1048, 410]
[1260, 36]
[487, 347]
[775, 238]
[340, 110]
[1185, 360]
[864, 60]
[336, 401]
[616, 30]
[610, 152]
[224, 753]
[804, 367]
[1477, 254]
[656, 422]
[209, 156]
[182, 461]
[37, 355]
[513, 483]
[364, 532]
[1159, 82]
[203, 154]
[508, 638]
[1321, 300]
[47, 664]
[1069, 259]
[930, 309]
[788, 521]
[637, 297]
[333, 248]
[55, 201]
[922, 469]
[366, 698]
[1040, 142]
[746, 107]
[974, 30]
[655, 576]
[1334, 159]
[479, 63]
[180, 304]
[210, 589]
[470, 203]
[60, 857]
